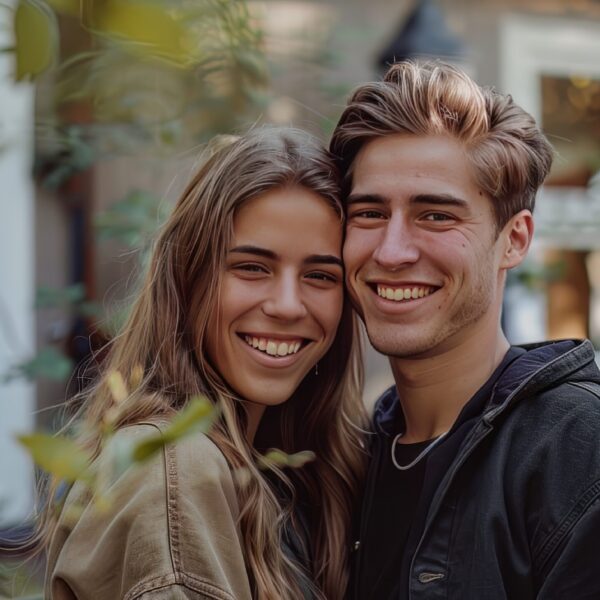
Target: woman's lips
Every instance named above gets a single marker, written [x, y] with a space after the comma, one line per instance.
[274, 346]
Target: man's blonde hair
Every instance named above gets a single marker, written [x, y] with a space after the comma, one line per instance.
[509, 155]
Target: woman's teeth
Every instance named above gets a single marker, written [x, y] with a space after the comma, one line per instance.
[273, 347]
[408, 293]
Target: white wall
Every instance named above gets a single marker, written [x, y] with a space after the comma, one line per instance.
[16, 281]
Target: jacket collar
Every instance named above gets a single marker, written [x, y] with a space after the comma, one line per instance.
[541, 366]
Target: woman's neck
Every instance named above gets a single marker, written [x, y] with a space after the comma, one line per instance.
[254, 414]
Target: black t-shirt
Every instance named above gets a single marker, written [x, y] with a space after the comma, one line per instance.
[401, 499]
[396, 496]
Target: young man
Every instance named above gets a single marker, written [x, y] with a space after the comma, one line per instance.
[485, 474]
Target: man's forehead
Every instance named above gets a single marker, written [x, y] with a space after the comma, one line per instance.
[421, 161]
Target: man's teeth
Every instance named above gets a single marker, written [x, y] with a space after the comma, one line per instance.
[273, 347]
[407, 293]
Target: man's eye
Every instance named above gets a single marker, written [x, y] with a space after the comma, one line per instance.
[368, 214]
[438, 217]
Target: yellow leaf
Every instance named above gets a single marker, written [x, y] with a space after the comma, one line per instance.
[150, 26]
[136, 377]
[36, 38]
[58, 455]
[117, 387]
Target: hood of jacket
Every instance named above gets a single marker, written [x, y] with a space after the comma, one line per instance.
[538, 367]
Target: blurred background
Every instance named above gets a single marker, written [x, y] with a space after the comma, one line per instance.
[105, 106]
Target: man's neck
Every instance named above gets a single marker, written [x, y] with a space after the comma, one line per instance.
[434, 389]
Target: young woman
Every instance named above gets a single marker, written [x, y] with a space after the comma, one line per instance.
[244, 304]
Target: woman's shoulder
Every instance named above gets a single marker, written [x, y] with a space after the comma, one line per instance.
[173, 516]
[194, 455]
[194, 466]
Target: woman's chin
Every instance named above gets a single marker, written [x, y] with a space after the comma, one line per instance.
[268, 394]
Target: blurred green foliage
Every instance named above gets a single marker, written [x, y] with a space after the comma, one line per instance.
[72, 297]
[124, 77]
[133, 219]
[535, 275]
[48, 363]
[64, 459]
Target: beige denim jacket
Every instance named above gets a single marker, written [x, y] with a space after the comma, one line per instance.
[170, 533]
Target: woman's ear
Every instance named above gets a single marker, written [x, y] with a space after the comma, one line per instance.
[517, 235]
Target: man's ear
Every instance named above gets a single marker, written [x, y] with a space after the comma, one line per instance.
[516, 235]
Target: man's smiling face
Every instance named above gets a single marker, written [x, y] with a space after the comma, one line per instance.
[422, 253]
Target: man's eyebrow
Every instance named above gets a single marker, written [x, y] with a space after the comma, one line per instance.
[324, 259]
[256, 250]
[439, 200]
[366, 199]
[313, 259]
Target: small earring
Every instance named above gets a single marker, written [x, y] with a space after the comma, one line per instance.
[317, 369]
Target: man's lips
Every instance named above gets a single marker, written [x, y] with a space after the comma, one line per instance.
[402, 292]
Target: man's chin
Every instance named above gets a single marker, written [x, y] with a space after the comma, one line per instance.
[398, 345]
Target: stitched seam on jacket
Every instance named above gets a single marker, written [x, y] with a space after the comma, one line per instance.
[172, 507]
[192, 582]
[592, 389]
[554, 538]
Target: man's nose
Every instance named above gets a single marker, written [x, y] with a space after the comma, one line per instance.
[285, 300]
[398, 245]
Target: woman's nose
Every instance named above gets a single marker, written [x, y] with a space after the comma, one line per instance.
[285, 300]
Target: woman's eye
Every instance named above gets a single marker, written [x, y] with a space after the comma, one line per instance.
[321, 276]
[250, 268]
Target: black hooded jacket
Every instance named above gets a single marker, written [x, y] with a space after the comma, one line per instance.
[515, 512]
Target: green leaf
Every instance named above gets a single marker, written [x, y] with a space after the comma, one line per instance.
[278, 458]
[197, 416]
[36, 38]
[49, 363]
[74, 154]
[57, 455]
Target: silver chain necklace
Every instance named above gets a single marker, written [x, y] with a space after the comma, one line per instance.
[422, 455]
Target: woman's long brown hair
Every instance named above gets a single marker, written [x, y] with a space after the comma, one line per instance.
[166, 334]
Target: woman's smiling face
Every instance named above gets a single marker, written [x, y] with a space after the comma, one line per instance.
[281, 294]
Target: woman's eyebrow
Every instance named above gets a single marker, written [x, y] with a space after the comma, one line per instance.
[257, 250]
[313, 259]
